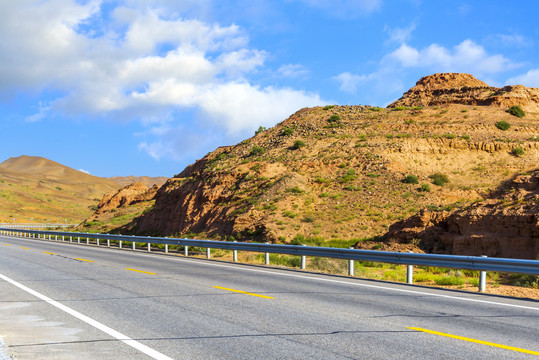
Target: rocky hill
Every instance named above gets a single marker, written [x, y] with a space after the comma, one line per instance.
[350, 172]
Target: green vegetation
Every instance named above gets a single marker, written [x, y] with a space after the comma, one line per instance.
[334, 118]
[257, 150]
[439, 179]
[260, 129]
[375, 108]
[503, 125]
[425, 188]
[287, 131]
[410, 179]
[327, 107]
[349, 176]
[518, 151]
[516, 111]
[298, 144]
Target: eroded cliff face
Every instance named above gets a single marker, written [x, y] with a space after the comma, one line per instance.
[455, 88]
[505, 225]
[128, 195]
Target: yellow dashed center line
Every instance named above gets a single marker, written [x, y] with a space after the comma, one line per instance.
[80, 259]
[25, 248]
[140, 271]
[243, 292]
[7, 244]
[476, 341]
[46, 252]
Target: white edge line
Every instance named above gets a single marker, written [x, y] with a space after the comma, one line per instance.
[127, 340]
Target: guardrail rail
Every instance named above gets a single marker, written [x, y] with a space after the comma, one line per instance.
[478, 263]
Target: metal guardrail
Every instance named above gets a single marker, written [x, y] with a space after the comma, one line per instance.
[35, 225]
[477, 263]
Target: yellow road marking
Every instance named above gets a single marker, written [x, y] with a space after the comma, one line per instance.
[25, 248]
[7, 244]
[476, 341]
[80, 259]
[244, 292]
[140, 271]
[46, 252]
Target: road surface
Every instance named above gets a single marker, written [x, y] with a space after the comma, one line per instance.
[69, 301]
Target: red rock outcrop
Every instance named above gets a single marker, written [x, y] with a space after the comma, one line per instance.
[128, 195]
[456, 88]
[505, 225]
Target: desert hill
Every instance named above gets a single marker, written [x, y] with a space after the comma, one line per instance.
[146, 180]
[350, 172]
[37, 188]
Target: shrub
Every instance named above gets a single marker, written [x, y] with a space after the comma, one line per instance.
[439, 179]
[298, 144]
[260, 129]
[410, 179]
[327, 107]
[516, 111]
[296, 190]
[425, 188]
[375, 108]
[518, 151]
[449, 280]
[350, 176]
[287, 131]
[257, 150]
[334, 118]
[503, 125]
[450, 136]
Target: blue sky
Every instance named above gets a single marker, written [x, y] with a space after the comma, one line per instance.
[140, 87]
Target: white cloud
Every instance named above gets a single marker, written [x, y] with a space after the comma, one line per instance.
[400, 35]
[144, 64]
[512, 40]
[349, 82]
[84, 171]
[345, 8]
[293, 71]
[465, 57]
[531, 79]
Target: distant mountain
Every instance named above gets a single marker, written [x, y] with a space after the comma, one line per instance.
[146, 180]
[33, 187]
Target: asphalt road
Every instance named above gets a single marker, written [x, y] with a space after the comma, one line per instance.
[69, 301]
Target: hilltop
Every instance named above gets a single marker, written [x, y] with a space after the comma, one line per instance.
[346, 173]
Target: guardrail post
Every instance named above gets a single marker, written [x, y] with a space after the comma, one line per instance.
[120, 244]
[235, 254]
[351, 266]
[71, 239]
[410, 273]
[108, 242]
[482, 279]
[208, 253]
[63, 239]
[266, 257]
[303, 260]
[166, 248]
[149, 247]
[56, 237]
[78, 239]
[87, 241]
[133, 245]
[186, 250]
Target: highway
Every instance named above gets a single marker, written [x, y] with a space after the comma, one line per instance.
[69, 301]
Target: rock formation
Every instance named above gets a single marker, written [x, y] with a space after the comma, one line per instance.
[505, 225]
[455, 88]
